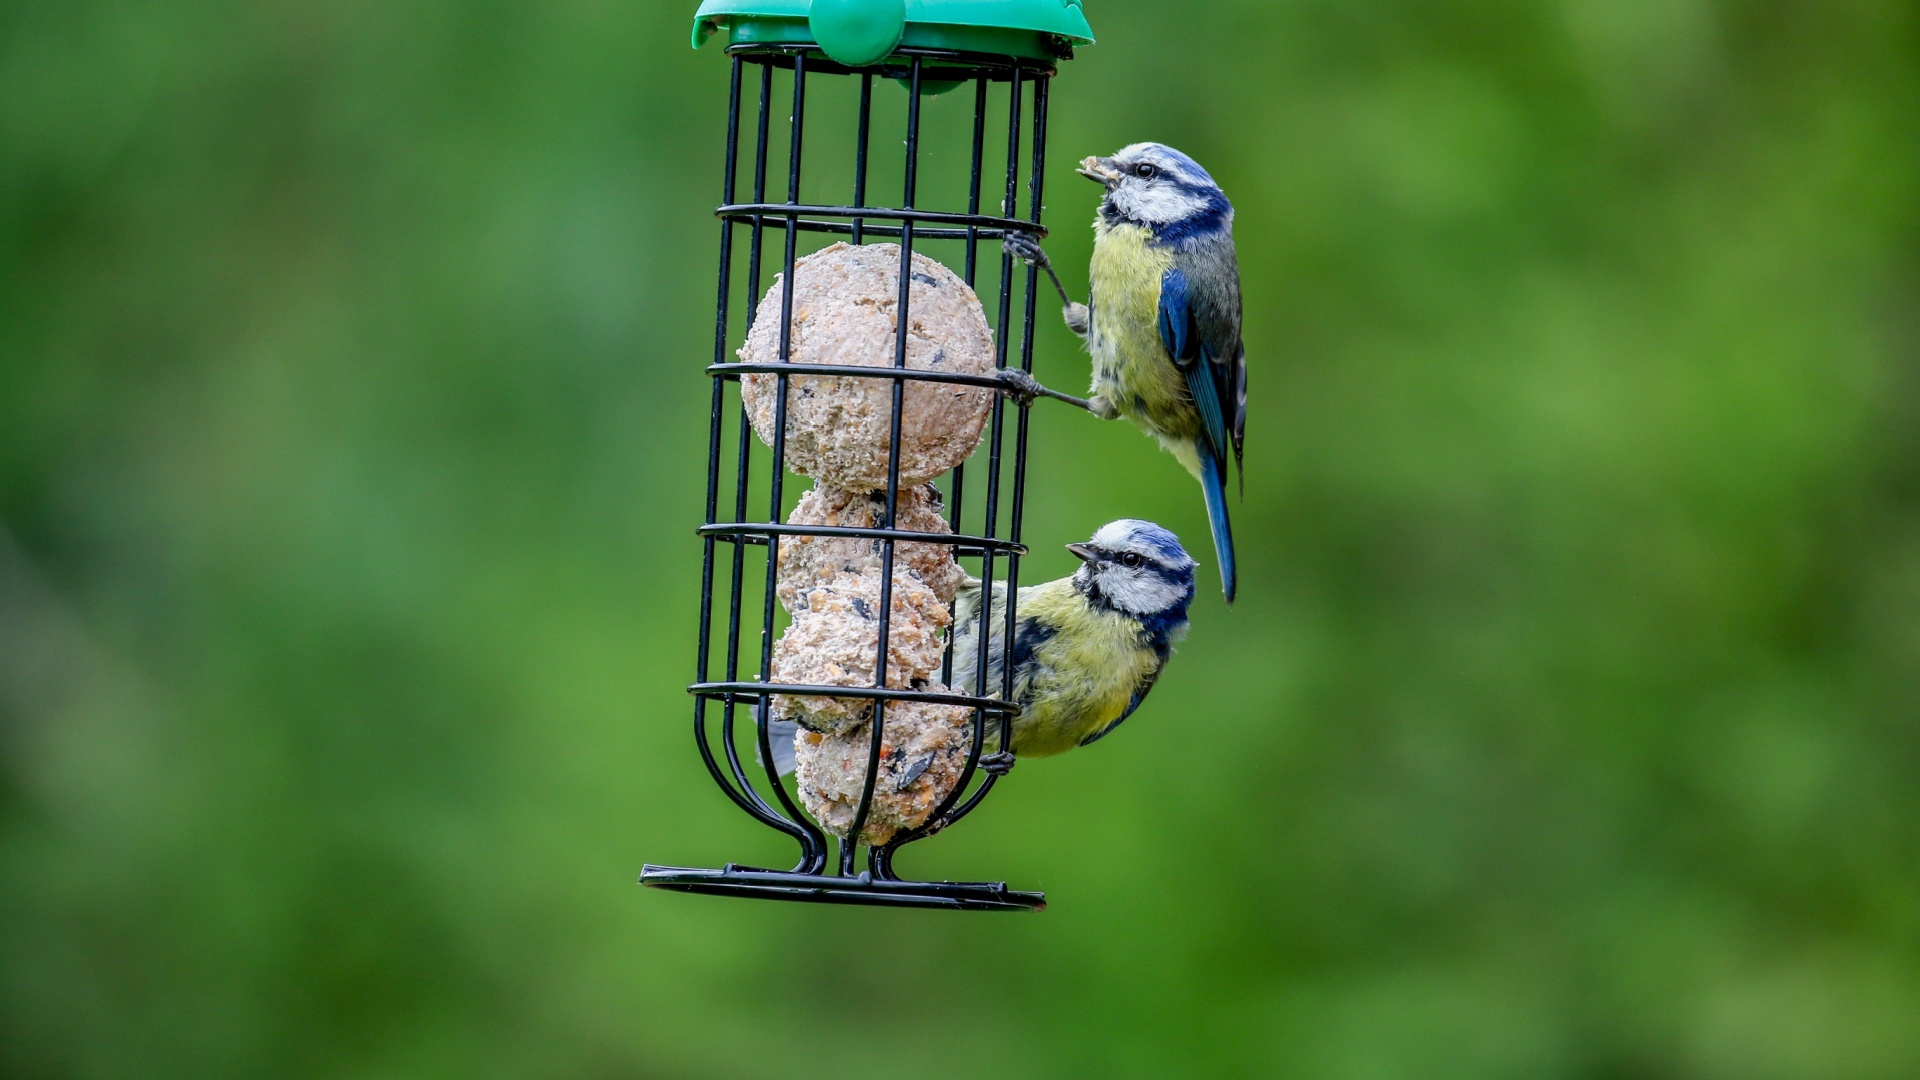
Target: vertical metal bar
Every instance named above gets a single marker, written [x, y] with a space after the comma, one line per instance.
[902, 317]
[958, 486]
[973, 186]
[945, 814]
[860, 152]
[745, 432]
[743, 471]
[811, 841]
[1036, 175]
[763, 707]
[705, 647]
[721, 308]
[999, 435]
[996, 439]
[744, 795]
[882, 858]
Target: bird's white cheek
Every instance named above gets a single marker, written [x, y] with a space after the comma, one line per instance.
[1157, 203]
[1140, 594]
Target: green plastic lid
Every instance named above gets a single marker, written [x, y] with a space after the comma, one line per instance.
[862, 32]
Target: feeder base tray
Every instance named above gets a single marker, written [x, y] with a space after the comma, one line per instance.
[821, 889]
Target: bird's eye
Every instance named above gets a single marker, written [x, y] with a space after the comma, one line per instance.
[1130, 558]
[1145, 170]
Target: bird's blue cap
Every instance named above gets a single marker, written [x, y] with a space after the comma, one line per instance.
[1186, 164]
[1145, 536]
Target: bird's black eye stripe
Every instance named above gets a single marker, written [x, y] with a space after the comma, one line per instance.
[1130, 558]
[1145, 170]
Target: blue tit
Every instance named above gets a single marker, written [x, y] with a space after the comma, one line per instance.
[1086, 648]
[1163, 318]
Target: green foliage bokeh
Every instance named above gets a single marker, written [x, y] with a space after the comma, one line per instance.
[1568, 725]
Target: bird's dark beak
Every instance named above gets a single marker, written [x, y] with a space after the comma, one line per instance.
[1081, 552]
[1100, 170]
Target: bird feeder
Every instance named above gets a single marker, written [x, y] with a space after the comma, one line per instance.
[867, 561]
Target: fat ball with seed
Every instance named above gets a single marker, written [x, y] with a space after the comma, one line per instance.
[839, 427]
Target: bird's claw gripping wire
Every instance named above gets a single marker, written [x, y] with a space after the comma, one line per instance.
[1022, 387]
[999, 764]
[1026, 248]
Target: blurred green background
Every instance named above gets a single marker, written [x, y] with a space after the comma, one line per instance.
[1568, 724]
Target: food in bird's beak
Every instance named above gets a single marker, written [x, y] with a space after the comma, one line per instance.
[1099, 169]
[1081, 551]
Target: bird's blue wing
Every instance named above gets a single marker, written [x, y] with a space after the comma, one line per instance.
[1210, 380]
[1201, 331]
[1139, 695]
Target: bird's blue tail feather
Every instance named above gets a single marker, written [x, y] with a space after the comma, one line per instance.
[1214, 483]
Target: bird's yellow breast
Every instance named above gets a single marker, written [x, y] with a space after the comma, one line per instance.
[1131, 368]
[1085, 672]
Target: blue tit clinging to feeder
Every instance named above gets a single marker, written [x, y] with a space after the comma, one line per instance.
[1086, 648]
[1163, 318]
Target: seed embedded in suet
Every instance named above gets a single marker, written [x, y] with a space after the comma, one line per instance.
[835, 639]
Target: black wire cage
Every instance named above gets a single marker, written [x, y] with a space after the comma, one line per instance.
[746, 498]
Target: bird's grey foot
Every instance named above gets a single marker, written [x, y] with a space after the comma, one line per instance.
[999, 764]
[1099, 406]
[1079, 319]
[1025, 247]
[1022, 387]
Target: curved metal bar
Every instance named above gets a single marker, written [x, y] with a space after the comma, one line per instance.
[786, 211]
[814, 858]
[880, 859]
[706, 754]
[816, 861]
[972, 545]
[704, 648]
[748, 693]
[756, 244]
[856, 371]
[812, 844]
[946, 815]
